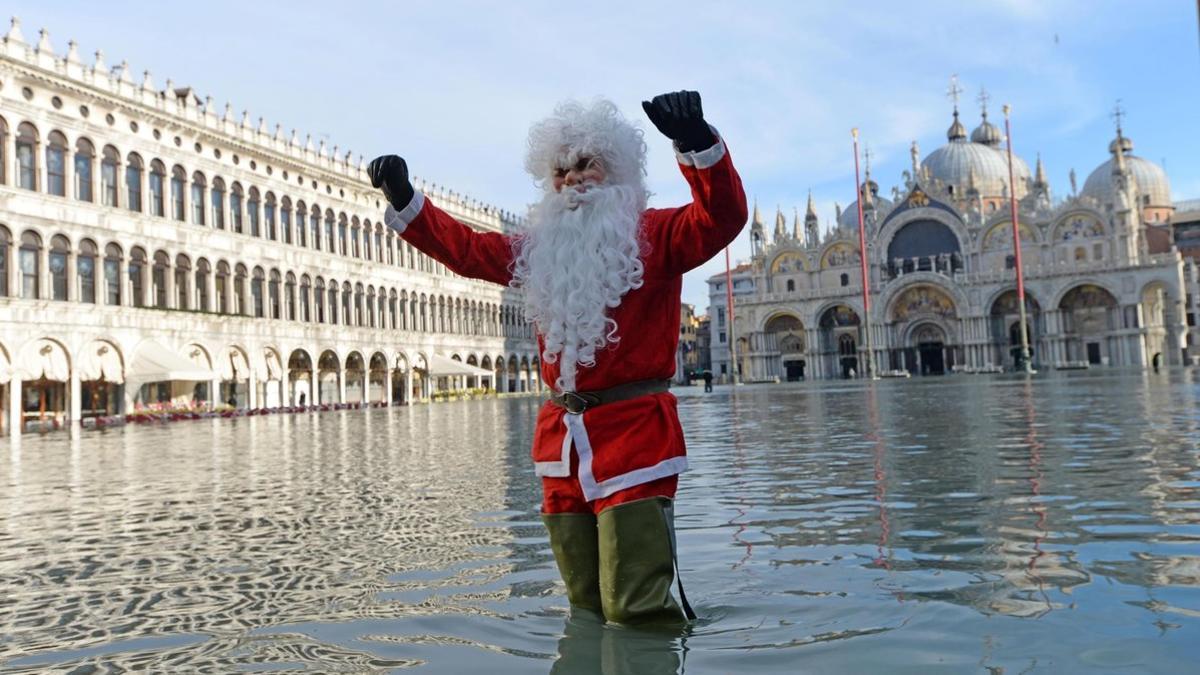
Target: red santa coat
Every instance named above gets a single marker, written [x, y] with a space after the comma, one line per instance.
[631, 442]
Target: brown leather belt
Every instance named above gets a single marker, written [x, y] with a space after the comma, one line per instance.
[576, 402]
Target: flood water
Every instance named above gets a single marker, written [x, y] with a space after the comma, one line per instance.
[962, 524]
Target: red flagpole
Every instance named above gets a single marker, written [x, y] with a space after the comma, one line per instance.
[862, 256]
[1012, 205]
[733, 372]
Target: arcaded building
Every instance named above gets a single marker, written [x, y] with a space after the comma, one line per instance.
[1105, 284]
[157, 250]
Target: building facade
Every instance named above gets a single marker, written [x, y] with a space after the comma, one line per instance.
[703, 343]
[721, 330]
[1105, 286]
[687, 355]
[155, 250]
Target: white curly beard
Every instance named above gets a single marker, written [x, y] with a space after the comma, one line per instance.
[579, 257]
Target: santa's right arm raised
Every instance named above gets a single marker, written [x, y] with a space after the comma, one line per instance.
[467, 252]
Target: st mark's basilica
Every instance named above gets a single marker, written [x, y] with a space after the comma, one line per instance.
[1105, 286]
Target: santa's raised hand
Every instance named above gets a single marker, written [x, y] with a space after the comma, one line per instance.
[680, 117]
[390, 174]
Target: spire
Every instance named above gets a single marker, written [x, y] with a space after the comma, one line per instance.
[1121, 140]
[796, 224]
[14, 32]
[99, 66]
[1039, 175]
[986, 133]
[124, 76]
[1119, 154]
[811, 225]
[780, 224]
[43, 45]
[757, 219]
[956, 132]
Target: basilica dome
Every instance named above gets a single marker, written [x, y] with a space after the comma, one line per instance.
[963, 161]
[849, 216]
[987, 134]
[1149, 177]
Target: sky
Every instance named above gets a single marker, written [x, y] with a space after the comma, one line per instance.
[454, 86]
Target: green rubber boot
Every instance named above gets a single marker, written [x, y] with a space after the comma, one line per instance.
[576, 550]
[636, 564]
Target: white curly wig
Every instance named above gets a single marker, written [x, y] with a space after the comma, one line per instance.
[581, 251]
[596, 129]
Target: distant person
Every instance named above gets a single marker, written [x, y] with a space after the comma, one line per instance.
[302, 399]
[601, 276]
[707, 381]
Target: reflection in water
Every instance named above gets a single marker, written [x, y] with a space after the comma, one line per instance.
[979, 523]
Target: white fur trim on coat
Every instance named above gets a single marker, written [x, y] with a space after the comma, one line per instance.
[592, 490]
[704, 159]
[399, 220]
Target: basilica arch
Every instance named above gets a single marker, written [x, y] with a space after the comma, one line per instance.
[1080, 237]
[786, 344]
[838, 340]
[1162, 323]
[922, 319]
[996, 251]
[1090, 319]
[1004, 327]
[922, 235]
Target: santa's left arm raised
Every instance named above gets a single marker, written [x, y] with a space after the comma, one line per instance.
[686, 237]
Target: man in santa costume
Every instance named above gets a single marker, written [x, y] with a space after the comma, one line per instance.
[601, 276]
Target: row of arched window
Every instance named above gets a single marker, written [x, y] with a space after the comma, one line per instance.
[110, 276]
[132, 183]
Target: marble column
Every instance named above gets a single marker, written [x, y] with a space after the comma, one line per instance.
[210, 290]
[285, 388]
[169, 283]
[75, 403]
[14, 406]
[73, 293]
[45, 292]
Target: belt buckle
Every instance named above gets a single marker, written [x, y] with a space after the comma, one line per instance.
[574, 403]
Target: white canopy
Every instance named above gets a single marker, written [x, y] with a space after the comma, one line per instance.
[441, 366]
[43, 359]
[233, 365]
[268, 367]
[101, 361]
[155, 363]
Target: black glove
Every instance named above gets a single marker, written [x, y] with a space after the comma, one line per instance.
[390, 173]
[679, 117]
